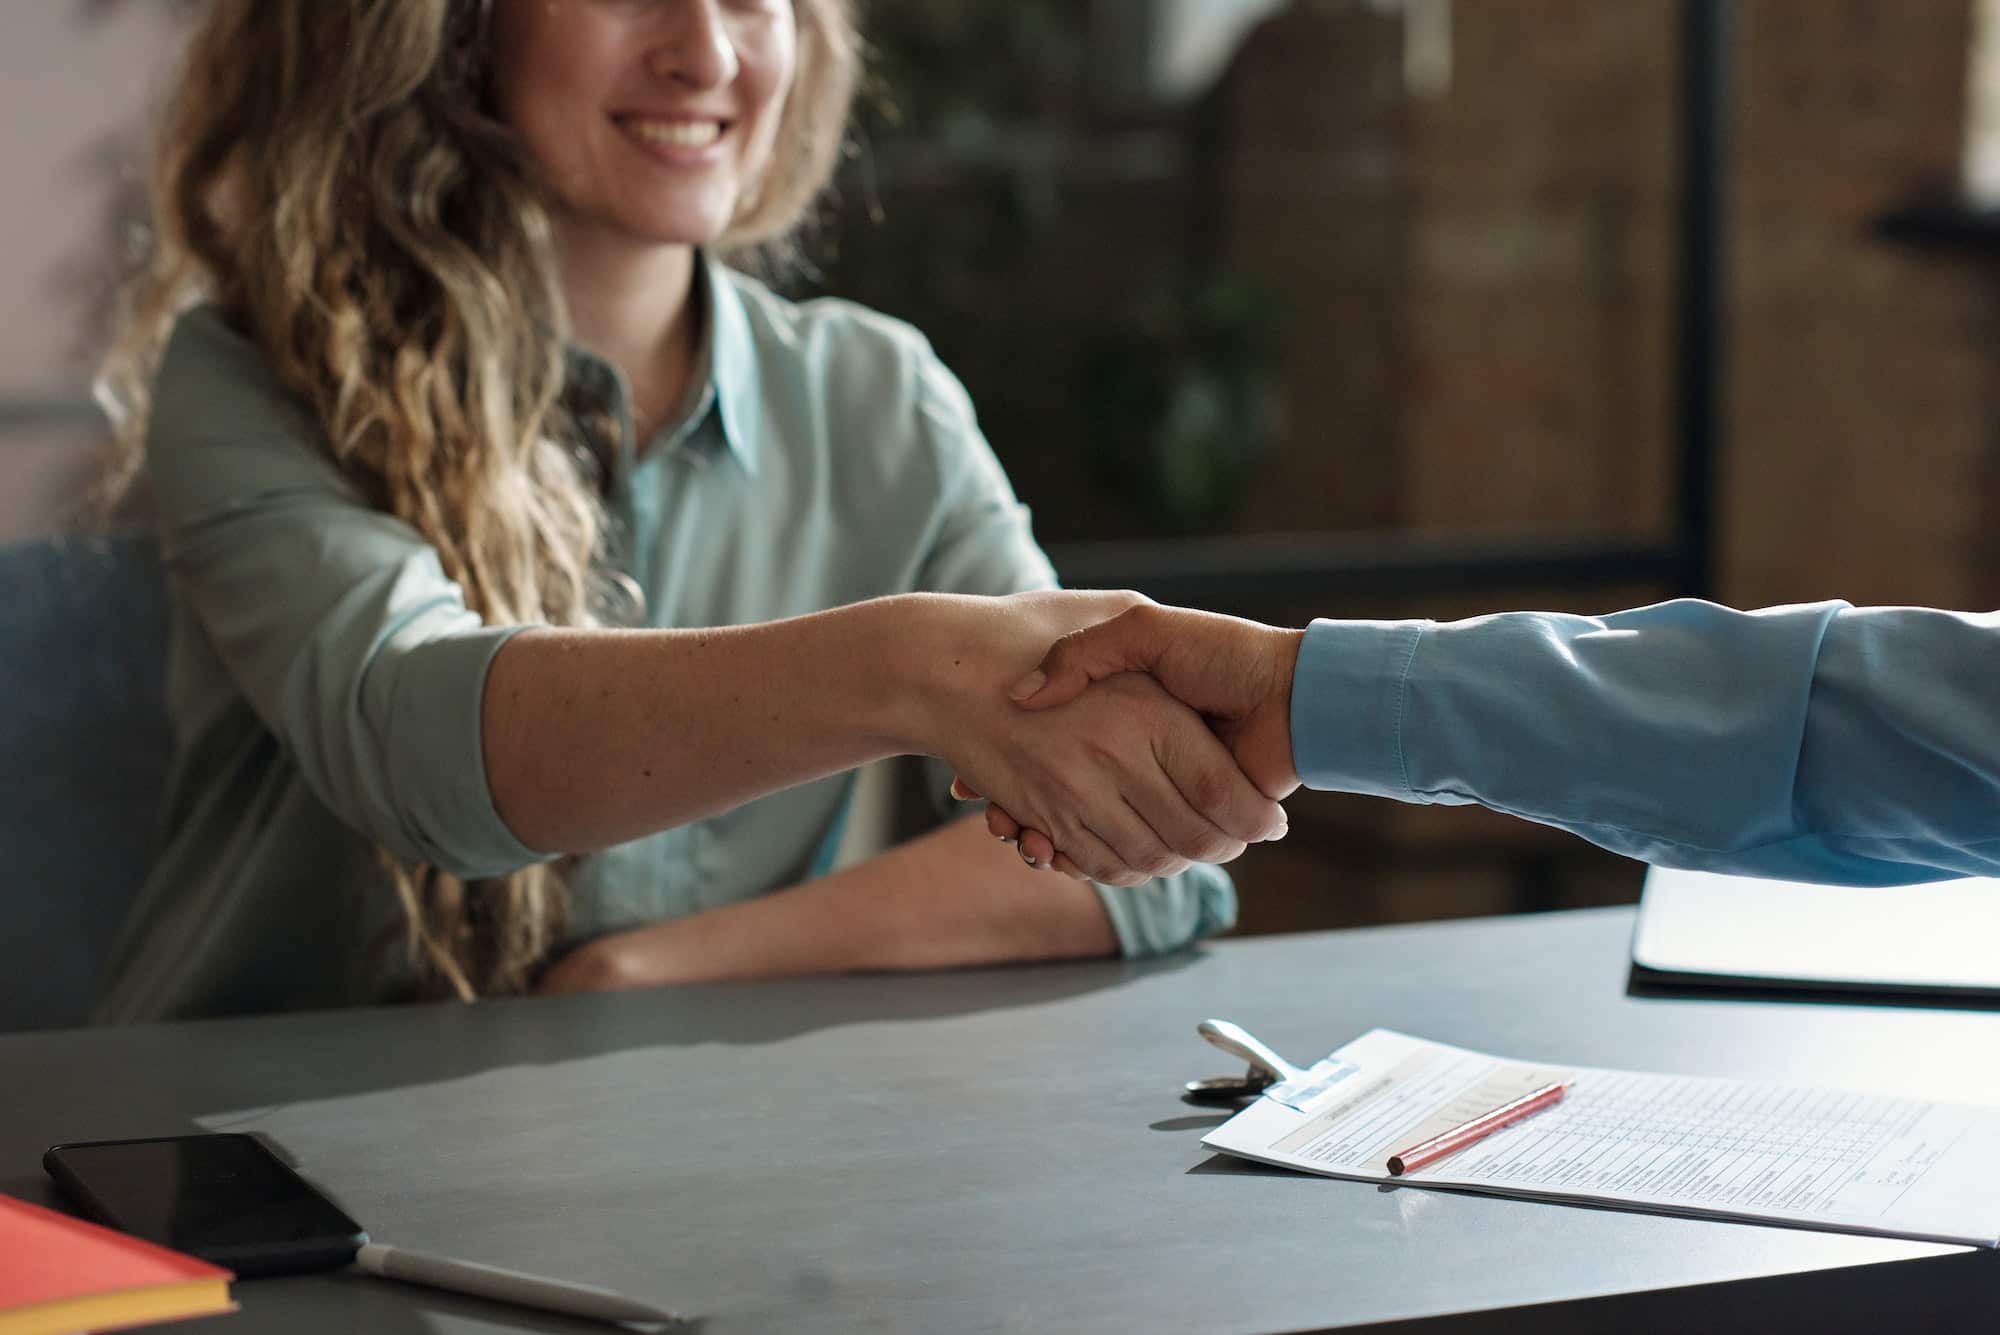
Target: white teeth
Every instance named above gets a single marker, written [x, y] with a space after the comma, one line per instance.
[680, 134]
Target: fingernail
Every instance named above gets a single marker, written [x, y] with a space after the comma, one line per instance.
[1028, 685]
[1004, 838]
[1028, 858]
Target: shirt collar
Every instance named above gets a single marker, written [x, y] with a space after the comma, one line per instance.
[731, 362]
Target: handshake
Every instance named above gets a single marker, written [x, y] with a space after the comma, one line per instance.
[1141, 742]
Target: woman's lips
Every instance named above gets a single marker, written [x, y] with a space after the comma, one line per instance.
[679, 142]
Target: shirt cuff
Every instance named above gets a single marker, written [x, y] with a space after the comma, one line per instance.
[1169, 913]
[438, 740]
[1348, 696]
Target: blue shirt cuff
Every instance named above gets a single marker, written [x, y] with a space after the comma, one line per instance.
[1348, 696]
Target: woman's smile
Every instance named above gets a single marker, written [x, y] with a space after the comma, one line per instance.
[680, 141]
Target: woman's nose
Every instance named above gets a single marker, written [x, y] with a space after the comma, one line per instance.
[692, 45]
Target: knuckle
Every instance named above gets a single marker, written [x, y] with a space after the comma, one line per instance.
[1209, 790]
[1219, 847]
[1100, 868]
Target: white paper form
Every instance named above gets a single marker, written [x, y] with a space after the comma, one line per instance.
[1671, 1144]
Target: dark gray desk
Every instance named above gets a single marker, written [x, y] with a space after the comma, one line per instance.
[1003, 1150]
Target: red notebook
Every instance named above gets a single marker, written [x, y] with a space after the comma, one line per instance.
[60, 1275]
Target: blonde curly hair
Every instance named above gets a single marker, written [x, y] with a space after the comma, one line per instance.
[329, 172]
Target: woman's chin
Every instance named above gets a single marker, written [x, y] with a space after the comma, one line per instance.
[681, 225]
[678, 226]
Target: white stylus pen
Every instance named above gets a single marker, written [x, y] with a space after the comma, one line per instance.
[508, 1286]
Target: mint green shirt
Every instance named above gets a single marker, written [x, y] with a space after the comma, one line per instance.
[325, 677]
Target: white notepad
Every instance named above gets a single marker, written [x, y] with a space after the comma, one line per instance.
[1703, 928]
[1669, 1144]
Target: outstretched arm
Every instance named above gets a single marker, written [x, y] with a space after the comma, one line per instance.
[479, 747]
[596, 737]
[1820, 742]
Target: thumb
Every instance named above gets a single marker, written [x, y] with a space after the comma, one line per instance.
[1121, 644]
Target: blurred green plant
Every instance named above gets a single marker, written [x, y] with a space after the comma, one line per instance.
[957, 71]
[995, 171]
[1185, 404]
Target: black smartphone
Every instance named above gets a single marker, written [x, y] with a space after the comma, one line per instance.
[224, 1198]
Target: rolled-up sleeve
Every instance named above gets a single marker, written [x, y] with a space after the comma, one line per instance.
[984, 544]
[334, 620]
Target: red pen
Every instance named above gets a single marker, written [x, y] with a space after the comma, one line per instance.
[1478, 1129]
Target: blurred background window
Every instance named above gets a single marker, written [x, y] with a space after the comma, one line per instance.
[1982, 114]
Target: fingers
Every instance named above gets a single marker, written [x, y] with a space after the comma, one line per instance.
[1120, 845]
[1127, 642]
[1037, 846]
[1209, 782]
[962, 792]
[1157, 796]
[1117, 850]
[1001, 825]
[1037, 849]
[1100, 859]
[1137, 853]
[1167, 792]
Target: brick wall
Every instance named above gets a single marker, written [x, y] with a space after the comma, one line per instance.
[1314, 159]
[1486, 286]
[1523, 253]
[1542, 276]
[1862, 460]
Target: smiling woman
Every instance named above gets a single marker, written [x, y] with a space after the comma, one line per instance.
[537, 576]
[655, 122]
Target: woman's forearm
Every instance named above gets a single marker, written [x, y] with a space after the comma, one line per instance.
[948, 898]
[594, 737]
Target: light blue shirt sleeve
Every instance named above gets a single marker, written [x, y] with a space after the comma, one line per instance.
[984, 545]
[1817, 743]
[334, 619]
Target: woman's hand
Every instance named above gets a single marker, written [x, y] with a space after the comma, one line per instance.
[941, 900]
[1129, 782]
[613, 963]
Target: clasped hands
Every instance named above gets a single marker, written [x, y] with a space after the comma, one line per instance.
[1177, 728]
